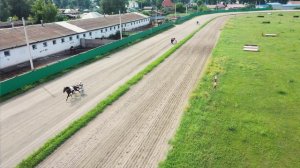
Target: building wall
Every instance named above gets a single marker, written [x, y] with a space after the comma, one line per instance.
[20, 54]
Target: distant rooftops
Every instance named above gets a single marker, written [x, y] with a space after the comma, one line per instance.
[294, 2]
[167, 3]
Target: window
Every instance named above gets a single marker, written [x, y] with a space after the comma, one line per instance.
[77, 36]
[71, 38]
[45, 44]
[110, 28]
[84, 35]
[101, 30]
[34, 47]
[62, 40]
[106, 29]
[90, 33]
[54, 42]
[6, 53]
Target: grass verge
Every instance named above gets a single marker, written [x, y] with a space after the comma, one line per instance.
[52, 144]
[252, 118]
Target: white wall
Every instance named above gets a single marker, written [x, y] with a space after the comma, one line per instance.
[20, 54]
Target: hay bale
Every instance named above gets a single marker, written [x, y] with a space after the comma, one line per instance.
[296, 16]
[251, 47]
[266, 22]
[280, 14]
[260, 16]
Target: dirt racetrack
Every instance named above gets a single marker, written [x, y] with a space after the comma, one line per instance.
[134, 131]
[28, 120]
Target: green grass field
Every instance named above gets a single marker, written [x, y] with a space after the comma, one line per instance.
[252, 119]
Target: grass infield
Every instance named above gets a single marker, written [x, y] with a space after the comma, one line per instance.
[252, 118]
[52, 144]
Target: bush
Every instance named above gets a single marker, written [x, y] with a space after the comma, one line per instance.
[61, 17]
[203, 8]
[146, 13]
[180, 8]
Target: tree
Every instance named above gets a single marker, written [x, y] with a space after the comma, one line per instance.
[113, 6]
[4, 10]
[20, 8]
[180, 8]
[45, 11]
[200, 2]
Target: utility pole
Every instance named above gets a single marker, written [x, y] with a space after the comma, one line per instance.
[120, 25]
[186, 9]
[175, 11]
[156, 16]
[28, 47]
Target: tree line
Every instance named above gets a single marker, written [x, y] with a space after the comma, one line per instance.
[47, 10]
[33, 10]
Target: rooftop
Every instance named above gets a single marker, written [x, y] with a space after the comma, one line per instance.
[15, 37]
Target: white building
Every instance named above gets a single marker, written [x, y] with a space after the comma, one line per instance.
[56, 37]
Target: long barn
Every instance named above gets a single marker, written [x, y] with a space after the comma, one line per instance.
[55, 37]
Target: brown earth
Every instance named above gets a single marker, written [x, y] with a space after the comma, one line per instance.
[135, 130]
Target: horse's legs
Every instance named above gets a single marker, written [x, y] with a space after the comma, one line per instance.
[68, 96]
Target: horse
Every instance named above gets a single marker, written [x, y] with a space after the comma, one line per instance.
[173, 40]
[71, 90]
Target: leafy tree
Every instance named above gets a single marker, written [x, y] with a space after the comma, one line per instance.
[20, 8]
[15, 18]
[203, 8]
[200, 2]
[4, 10]
[113, 6]
[45, 11]
[30, 19]
[180, 8]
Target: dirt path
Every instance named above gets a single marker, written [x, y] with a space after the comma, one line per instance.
[134, 131]
[28, 120]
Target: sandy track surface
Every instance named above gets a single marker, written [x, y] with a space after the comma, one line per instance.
[28, 120]
[134, 131]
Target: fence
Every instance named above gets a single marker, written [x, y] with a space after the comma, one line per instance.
[34, 76]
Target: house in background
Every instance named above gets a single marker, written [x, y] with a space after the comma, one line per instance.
[167, 4]
[291, 5]
[52, 38]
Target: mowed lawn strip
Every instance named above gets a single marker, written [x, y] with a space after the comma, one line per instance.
[52, 144]
[252, 118]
